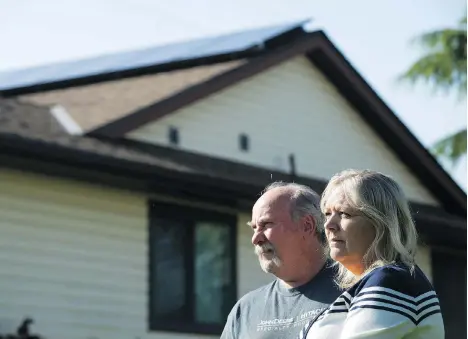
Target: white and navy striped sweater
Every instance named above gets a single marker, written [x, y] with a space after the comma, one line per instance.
[387, 303]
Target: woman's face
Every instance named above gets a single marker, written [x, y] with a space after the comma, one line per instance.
[349, 234]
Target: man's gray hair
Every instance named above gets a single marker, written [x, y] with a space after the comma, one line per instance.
[304, 201]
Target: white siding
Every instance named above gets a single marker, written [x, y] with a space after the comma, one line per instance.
[424, 260]
[74, 258]
[291, 108]
[250, 275]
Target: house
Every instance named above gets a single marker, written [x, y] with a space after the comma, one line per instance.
[125, 190]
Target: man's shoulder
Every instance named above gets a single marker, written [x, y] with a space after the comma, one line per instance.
[245, 310]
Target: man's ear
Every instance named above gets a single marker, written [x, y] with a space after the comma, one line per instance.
[309, 225]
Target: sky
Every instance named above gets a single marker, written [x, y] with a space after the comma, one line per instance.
[374, 36]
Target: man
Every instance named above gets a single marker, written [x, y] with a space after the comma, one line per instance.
[287, 227]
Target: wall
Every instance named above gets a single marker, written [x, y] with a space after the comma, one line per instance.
[290, 108]
[74, 257]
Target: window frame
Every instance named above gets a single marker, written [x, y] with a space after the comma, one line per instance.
[189, 215]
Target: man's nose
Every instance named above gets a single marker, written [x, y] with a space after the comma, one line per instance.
[258, 238]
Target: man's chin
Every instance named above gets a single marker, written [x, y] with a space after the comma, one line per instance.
[268, 266]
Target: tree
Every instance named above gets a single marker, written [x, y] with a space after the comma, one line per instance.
[443, 67]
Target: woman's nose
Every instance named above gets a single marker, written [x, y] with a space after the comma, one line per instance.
[332, 223]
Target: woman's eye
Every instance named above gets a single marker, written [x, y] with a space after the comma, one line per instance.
[345, 215]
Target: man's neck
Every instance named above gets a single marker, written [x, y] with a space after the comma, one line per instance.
[307, 274]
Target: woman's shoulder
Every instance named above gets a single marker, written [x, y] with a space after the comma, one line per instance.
[397, 279]
[391, 300]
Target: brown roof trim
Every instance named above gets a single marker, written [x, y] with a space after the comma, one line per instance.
[119, 127]
[349, 83]
[384, 121]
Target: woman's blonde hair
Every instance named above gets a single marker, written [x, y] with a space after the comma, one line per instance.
[381, 200]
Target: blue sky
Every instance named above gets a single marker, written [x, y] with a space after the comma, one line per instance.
[374, 36]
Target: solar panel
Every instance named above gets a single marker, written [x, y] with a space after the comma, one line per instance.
[206, 47]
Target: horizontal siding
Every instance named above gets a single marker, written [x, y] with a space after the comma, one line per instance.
[250, 275]
[424, 260]
[74, 258]
[291, 108]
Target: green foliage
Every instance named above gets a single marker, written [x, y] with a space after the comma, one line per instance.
[443, 67]
[452, 146]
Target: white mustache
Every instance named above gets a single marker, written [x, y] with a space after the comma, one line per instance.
[259, 249]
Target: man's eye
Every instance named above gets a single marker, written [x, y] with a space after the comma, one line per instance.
[257, 227]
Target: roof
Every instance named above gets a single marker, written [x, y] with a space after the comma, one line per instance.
[27, 119]
[328, 59]
[96, 104]
[227, 47]
[29, 141]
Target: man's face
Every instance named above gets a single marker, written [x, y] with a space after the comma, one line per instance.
[277, 239]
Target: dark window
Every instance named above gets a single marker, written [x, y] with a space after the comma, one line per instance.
[449, 277]
[244, 142]
[192, 269]
[173, 136]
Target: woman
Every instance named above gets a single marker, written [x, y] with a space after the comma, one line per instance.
[373, 241]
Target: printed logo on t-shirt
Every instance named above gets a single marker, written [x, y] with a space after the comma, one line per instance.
[283, 324]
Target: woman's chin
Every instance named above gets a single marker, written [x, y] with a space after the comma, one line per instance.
[336, 255]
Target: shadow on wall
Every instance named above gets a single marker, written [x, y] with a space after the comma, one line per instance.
[22, 332]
